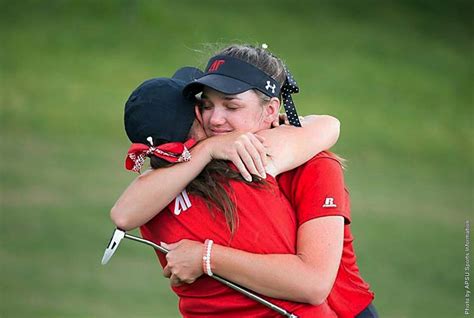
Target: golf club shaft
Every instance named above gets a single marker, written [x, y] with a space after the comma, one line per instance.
[222, 280]
[139, 239]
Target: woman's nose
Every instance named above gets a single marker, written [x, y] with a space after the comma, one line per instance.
[217, 117]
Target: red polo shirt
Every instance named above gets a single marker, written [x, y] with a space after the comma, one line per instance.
[317, 189]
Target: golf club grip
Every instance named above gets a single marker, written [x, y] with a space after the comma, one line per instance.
[222, 280]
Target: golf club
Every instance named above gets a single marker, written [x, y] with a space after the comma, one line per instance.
[118, 235]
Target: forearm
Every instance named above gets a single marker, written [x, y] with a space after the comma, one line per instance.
[306, 277]
[153, 191]
[322, 130]
[318, 133]
[283, 276]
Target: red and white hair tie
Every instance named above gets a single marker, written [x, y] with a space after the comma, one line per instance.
[172, 152]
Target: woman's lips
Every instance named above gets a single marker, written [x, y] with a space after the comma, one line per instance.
[219, 132]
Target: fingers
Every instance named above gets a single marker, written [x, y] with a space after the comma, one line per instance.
[276, 122]
[184, 261]
[283, 119]
[246, 151]
[237, 161]
[163, 244]
[258, 154]
[252, 154]
[167, 272]
[170, 246]
[175, 281]
[246, 154]
[258, 143]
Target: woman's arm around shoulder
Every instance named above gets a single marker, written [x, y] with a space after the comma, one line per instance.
[290, 147]
[152, 191]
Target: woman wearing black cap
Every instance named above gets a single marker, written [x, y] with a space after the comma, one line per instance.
[323, 217]
[326, 260]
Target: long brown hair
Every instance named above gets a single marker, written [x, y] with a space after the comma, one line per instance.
[213, 185]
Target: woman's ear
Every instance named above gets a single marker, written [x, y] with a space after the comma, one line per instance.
[197, 131]
[197, 111]
[272, 110]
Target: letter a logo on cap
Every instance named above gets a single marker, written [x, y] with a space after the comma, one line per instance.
[215, 65]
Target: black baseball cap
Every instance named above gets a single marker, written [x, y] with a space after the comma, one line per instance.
[158, 109]
[231, 75]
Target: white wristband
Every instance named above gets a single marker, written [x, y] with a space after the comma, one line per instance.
[207, 257]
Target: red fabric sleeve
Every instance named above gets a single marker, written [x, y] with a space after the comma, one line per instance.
[317, 189]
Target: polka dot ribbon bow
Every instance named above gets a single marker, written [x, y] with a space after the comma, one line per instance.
[171, 152]
[290, 87]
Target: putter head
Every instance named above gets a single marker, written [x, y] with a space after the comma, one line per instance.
[117, 236]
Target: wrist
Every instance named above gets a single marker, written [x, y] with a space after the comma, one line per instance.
[203, 150]
[206, 257]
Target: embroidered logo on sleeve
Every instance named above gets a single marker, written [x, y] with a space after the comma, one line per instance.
[181, 203]
[329, 203]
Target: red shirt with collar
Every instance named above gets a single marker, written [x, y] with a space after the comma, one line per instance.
[317, 189]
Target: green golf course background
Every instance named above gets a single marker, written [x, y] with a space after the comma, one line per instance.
[398, 75]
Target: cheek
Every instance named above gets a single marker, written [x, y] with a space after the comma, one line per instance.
[254, 117]
[245, 121]
[205, 115]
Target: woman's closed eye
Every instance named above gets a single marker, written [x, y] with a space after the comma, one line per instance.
[232, 106]
[207, 105]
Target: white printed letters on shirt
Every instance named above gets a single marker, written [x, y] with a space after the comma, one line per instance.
[181, 203]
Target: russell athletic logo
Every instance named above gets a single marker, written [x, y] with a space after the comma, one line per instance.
[329, 203]
[181, 203]
[215, 65]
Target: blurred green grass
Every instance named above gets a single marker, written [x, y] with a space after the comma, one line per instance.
[398, 75]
